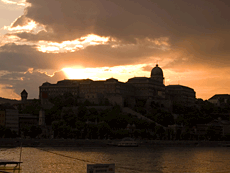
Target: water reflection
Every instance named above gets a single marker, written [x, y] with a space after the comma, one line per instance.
[200, 160]
[128, 160]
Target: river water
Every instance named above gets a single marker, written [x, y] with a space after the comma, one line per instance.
[127, 160]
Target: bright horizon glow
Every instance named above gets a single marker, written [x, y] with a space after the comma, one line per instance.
[5, 93]
[122, 73]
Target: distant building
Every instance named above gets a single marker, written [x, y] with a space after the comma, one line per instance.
[181, 94]
[219, 98]
[116, 92]
[12, 120]
[149, 88]
[27, 120]
[2, 118]
[25, 100]
[41, 118]
[86, 89]
[219, 126]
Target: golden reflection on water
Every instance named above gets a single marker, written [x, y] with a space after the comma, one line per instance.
[127, 160]
[196, 160]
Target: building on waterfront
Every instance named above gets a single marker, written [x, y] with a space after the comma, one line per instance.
[181, 94]
[24, 99]
[218, 99]
[87, 89]
[116, 92]
[27, 120]
[149, 88]
[12, 120]
[2, 118]
[41, 118]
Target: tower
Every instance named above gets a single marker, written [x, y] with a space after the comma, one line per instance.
[24, 96]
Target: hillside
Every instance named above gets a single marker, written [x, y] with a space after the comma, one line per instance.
[10, 101]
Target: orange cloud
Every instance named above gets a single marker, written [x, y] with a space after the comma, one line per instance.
[71, 46]
[6, 91]
[16, 2]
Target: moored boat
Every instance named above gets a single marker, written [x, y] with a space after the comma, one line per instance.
[127, 142]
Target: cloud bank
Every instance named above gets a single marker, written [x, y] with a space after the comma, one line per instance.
[186, 38]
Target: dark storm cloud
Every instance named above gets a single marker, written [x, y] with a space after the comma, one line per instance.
[21, 57]
[29, 81]
[126, 20]
[105, 55]
[196, 27]
[207, 50]
[197, 33]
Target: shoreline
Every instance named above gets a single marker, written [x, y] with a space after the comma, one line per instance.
[105, 143]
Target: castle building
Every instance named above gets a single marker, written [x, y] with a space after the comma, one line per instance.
[219, 99]
[152, 89]
[12, 119]
[94, 91]
[181, 94]
[149, 88]
[2, 118]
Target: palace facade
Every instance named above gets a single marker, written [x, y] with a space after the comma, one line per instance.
[116, 92]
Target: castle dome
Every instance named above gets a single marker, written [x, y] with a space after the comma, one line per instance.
[111, 80]
[156, 71]
[157, 74]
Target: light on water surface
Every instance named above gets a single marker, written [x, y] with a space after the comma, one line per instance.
[127, 160]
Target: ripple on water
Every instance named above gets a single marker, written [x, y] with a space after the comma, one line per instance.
[128, 160]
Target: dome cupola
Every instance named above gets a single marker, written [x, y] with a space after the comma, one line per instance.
[157, 74]
[157, 71]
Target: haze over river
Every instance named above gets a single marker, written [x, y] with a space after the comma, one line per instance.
[127, 160]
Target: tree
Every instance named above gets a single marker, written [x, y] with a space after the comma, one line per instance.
[103, 130]
[56, 127]
[34, 131]
[160, 132]
[2, 131]
[121, 134]
[140, 106]
[31, 108]
[214, 132]
[82, 113]
[8, 133]
[70, 118]
[79, 125]
[164, 118]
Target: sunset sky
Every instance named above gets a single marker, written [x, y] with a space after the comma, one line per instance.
[51, 40]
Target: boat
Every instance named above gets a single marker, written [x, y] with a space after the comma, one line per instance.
[111, 143]
[127, 142]
[7, 166]
[225, 145]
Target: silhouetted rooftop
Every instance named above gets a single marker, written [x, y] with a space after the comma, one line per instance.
[178, 87]
[217, 96]
[24, 92]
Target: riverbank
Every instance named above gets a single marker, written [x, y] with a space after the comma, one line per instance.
[104, 143]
